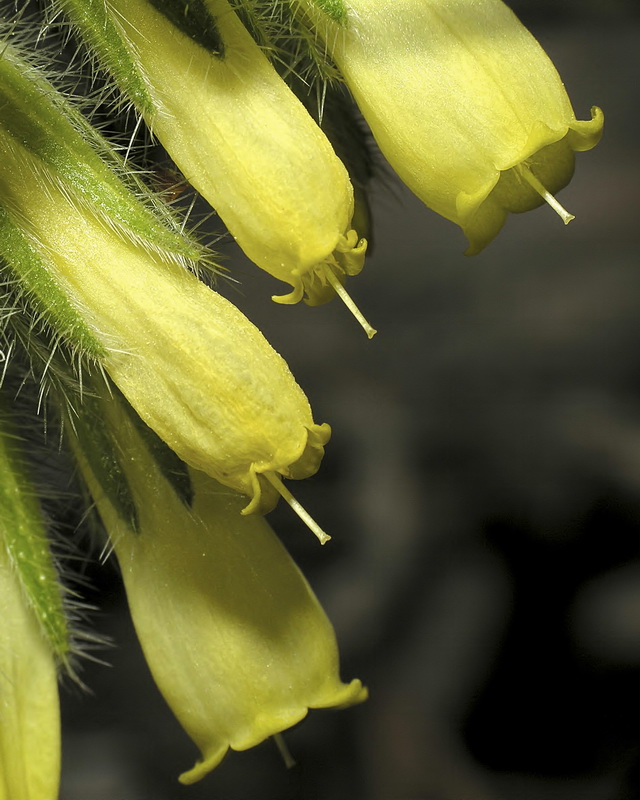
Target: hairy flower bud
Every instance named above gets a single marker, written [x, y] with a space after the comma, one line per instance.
[463, 102]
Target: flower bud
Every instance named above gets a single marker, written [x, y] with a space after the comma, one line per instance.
[234, 637]
[463, 102]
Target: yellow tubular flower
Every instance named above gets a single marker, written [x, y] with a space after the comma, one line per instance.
[29, 708]
[247, 144]
[234, 637]
[463, 102]
[196, 370]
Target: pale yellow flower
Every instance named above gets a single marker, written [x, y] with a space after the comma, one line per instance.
[194, 367]
[234, 637]
[463, 102]
[29, 708]
[248, 145]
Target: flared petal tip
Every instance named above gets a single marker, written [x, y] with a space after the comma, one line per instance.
[263, 496]
[349, 694]
[338, 696]
[321, 282]
[585, 134]
[202, 768]
[350, 252]
[315, 284]
[311, 456]
[295, 295]
[258, 485]
[483, 227]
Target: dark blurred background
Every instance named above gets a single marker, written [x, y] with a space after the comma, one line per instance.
[482, 488]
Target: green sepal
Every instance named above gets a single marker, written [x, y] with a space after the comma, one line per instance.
[98, 449]
[23, 534]
[288, 37]
[98, 29]
[172, 467]
[192, 18]
[41, 120]
[41, 291]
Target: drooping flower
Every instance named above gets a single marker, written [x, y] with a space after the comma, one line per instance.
[33, 638]
[234, 637]
[238, 134]
[463, 102]
[197, 371]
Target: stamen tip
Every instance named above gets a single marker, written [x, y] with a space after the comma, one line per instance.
[288, 759]
[531, 179]
[350, 304]
[304, 515]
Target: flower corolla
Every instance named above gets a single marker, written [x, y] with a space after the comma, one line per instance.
[463, 102]
[240, 136]
[235, 639]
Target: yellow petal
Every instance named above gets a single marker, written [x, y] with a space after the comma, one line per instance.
[33, 634]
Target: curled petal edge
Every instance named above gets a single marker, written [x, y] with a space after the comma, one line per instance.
[482, 214]
[313, 285]
[263, 494]
[345, 695]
